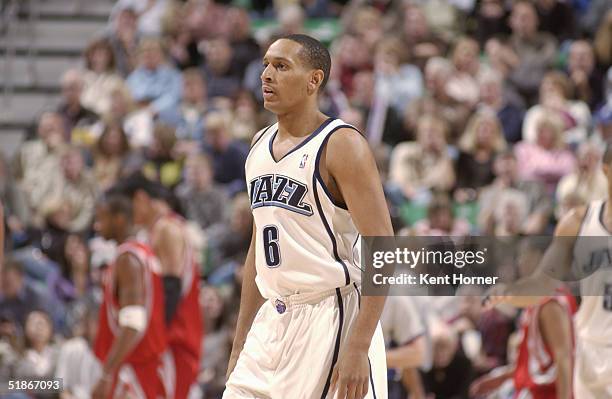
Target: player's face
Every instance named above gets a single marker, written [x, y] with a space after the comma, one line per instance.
[285, 78]
[103, 224]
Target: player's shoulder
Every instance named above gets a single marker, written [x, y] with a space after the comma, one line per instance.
[347, 138]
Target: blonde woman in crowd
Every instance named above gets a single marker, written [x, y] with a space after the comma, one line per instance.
[482, 140]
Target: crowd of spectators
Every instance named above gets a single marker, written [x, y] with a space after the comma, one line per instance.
[486, 117]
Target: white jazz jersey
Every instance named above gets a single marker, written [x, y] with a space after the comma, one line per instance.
[593, 261]
[304, 242]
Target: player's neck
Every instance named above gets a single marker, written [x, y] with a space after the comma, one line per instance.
[300, 123]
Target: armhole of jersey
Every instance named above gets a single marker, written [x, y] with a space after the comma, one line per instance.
[317, 172]
[263, 133]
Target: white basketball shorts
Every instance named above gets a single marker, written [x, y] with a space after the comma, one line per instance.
[293, 344]
[593, 372]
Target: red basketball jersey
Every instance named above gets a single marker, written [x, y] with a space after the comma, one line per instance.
[186, 328]
[153, 340]
[535, 371]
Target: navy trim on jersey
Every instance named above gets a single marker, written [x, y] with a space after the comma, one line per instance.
[358, 295]
[317, 171]
[303, 143]
[601, 217]
[337, 345]
[329, 231]
[371, 379]
[261, 135]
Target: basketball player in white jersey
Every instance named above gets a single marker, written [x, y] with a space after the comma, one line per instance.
[583, 245]
[303, 329]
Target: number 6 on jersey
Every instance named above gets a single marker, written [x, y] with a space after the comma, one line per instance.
[271, 246]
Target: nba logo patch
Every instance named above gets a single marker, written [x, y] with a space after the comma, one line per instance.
[303, 161]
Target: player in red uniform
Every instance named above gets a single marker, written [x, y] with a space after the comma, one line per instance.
[131, 339]
[167, 234]
[545, 354]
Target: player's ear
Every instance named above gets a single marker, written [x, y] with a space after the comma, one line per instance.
[316, 78]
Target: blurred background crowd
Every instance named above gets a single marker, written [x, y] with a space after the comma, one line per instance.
[486, 117]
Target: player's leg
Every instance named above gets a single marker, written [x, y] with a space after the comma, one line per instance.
[259, 357]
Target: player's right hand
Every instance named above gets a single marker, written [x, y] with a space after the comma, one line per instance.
[351, 375]
[495, 295]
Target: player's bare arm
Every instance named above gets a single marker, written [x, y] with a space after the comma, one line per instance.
[556, 326]
[349, 170]
[129, 281]
[250, 302]
[169, 246]
[554, 266]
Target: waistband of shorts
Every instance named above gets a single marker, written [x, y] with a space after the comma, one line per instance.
[311, 298]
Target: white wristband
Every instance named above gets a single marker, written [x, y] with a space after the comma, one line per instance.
[133, 316]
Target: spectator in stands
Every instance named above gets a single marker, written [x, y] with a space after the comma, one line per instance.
[247, 118]
[463, 84]
[482, 141]
[436, 101]
[100, 78]
[491, 20]
[229, 243]
[228, 155]
[452, 371]
[441, 221]
[510, 115]
[40, 356]
[397, 83]
[77, 189]
[188, 116]
[586, 78]
[603, 126]
[13, 203]
[547, 159]
[222, 78]
[154, 84]
[202, 200]
[136, 122]
[38, 160]
[418, 168]
[291, 20]
[244, 47]
[555, 99]
[150, 14]
[109, 155]
[124, 40]
[77, 364]
[603, 41]
[537, 205]
[587, 182]
[557, 18]
[182, 44]
[160, 163]
[10, 345]
[534, 51]
[421, 42]
[78, 119]
[18, 297]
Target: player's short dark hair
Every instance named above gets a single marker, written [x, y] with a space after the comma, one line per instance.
[314, 53]
[118, 202]
[130, 185]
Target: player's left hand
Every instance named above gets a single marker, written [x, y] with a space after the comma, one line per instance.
[102, 389]
[351, 375]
